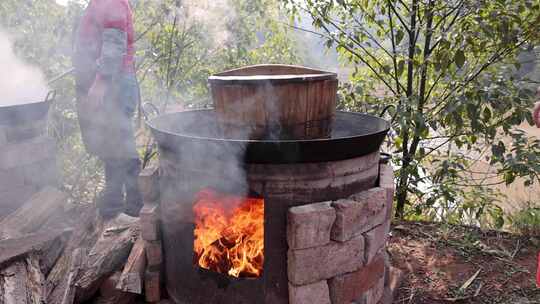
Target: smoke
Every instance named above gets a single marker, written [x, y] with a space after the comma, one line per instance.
[215, 15]
[19, 82]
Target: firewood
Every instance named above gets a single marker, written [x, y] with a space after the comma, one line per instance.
[132, 278]
[47, 243]
[84, 235]
[33, 214]
[76, 263]
[108, 255]
[22, 282]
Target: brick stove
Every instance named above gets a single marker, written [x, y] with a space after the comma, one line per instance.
[273, 197]
[325, 222]
[27, 154]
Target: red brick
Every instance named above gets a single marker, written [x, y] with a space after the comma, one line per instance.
[350, 286]
[150, 223]
[375, 241]
[152, 286]
[316, 293]
[154, 254]
[28, 152]
[149, 184]
[359, 214]
[306, 266]
[310, 225]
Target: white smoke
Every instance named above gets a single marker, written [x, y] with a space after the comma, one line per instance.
[19, 82]
[213, 14]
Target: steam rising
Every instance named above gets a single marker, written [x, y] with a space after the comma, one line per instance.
[19, 82]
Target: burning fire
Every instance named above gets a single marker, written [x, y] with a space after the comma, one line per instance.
[229, 234]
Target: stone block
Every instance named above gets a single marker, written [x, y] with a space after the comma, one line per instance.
[310, 225]
[359, 214]
[373, 295]
[149, 184]
[28, 152]
[150, 223]
[154, 254]
[386, 181]
[375, 241]
[316, 293]
[351, 286]
[306, 266]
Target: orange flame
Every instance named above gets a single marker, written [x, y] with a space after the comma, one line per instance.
[229, 234]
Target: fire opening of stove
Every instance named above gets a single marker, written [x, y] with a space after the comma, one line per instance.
[229, 234]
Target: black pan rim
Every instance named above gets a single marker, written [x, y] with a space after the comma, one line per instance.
[274, 142]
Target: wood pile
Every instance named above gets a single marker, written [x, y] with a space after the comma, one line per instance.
[51, 252]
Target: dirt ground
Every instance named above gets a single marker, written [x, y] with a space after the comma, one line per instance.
[455, 264]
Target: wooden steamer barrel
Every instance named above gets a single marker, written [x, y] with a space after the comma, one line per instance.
[275, 102]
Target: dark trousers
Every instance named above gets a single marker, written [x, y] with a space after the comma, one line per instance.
[121, 180]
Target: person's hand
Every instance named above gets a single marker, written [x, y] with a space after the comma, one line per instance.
[96, 94]
[536, 114]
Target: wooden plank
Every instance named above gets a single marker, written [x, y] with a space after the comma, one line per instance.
[34, 213]
[12, 249]
[132, 277]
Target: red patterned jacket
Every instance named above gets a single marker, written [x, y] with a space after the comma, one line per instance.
[105, 38]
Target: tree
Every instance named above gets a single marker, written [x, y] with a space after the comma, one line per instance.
[447, 67]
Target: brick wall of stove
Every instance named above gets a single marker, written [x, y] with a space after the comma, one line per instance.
[27, 163]
[337, 249]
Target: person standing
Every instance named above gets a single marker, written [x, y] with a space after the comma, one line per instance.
[107, 95]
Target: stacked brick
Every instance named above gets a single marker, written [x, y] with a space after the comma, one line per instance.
[151, 235]
[27, 163]
[337, 249]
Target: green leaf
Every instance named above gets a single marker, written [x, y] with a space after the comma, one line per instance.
[459, 58]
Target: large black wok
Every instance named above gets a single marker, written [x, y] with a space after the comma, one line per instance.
[19, 114]
[354, 135]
